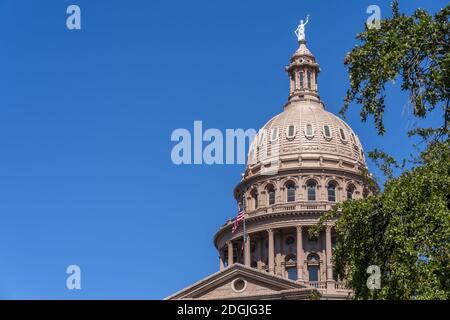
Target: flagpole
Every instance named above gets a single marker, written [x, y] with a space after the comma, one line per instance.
[244, 235]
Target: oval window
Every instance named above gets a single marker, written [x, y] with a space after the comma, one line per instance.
[309, 131]
[290, 131]
[262, 137]
[274, 135]
[327, 131]
[341, 131]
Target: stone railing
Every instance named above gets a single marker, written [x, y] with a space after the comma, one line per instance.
[294, 206]
[317, 284]
[337, 285]
[340, 285]
[288, 207]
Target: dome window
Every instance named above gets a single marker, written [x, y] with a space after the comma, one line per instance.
[331, 192]
[327, 131]
[262, 137]
[365, 193]
[255, 199]
[290, 194]
[309, 130]
[290, 132]
[271, 194]
[274, 135]
[242, 203]
[350, 190]
[343, 137]
[301, 79]
[311, 187]
[308, 75]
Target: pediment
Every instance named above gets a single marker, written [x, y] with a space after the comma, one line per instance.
[238, 282]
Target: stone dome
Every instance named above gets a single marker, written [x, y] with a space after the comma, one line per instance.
[303, 131]
[304, 134]
[300, 164]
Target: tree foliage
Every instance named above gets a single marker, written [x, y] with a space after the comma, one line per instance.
[413, 48]
[405, 230]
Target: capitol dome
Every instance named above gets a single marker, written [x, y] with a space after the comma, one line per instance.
[304, 134]
[301, 163]
[304, 130]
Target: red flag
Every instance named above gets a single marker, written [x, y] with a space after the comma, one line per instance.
[239, 218]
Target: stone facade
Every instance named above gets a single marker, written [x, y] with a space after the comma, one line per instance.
[302, 162]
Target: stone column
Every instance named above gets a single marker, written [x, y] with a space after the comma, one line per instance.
[221, 260]
[230, 253]
[247, 253]
[328, 251]
[300, 254]
[258, 250]
[271, 252]
[278, 258]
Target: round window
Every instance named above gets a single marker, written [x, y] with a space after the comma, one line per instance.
[239, 285]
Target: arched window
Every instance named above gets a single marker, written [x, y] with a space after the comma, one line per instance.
[241, 202]
[331, 192]
[365, 193]
[255, 199]
[311, 187]
[313, 258]
[291, 268]
[290, 192]
[271, 195]
[291, 259]
[313, 273]
[350, 190]
[313, 267]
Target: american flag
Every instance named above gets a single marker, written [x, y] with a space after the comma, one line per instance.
[239, 218]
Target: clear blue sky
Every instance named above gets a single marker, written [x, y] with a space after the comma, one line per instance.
[86, 116]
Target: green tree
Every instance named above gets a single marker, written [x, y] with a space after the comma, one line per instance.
[405, 229]
[412, 49]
